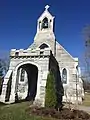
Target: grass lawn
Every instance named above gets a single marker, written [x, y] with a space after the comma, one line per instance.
[17, 112]
[86, 101]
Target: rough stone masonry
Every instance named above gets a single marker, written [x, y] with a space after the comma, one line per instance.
[28, 70]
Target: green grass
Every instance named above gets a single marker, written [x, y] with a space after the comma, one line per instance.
[86, 101]
[18, 112]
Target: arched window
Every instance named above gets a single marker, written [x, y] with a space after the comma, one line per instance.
[43, 46]
[22, 75]
[45, 23]
[64, 76]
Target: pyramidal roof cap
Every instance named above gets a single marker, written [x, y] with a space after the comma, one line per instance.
[45, 13]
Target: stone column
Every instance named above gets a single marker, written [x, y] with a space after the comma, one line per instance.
[41, 83]
[12, 95]
[37, 98]
[4, 87]
[4, 90]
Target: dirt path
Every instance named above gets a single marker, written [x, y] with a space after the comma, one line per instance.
[85, 108]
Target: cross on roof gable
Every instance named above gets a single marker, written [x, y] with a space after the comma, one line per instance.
[46, 7]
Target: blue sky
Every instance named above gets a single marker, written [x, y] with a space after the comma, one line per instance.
[18, 20]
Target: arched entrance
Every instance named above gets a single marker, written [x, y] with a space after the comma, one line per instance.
[27, 75]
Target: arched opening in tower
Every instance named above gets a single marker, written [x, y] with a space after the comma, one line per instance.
[43, 46]
[27, 75]
[45, 23]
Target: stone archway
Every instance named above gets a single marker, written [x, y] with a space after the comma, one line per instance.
[26, 81]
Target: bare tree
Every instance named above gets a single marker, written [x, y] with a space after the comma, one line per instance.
[86, 33]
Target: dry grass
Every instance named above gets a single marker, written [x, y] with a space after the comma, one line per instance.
[86, 101]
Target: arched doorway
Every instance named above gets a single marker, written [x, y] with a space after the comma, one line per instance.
[27, 75]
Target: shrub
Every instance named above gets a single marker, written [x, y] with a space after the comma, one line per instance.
[50, 97]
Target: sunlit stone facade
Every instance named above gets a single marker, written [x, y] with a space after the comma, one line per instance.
[28, 70]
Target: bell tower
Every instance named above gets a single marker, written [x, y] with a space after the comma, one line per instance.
[45, 31]
[45, 21]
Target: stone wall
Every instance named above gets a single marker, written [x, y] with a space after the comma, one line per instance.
[39, 58]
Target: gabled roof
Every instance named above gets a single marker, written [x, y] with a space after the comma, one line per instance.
[75, 59]
[46, 13]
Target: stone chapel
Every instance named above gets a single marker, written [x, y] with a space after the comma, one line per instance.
[28, 69]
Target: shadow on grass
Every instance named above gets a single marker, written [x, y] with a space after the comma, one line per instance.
[2, 104]
[16, 102]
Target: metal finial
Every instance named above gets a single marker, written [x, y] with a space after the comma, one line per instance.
[46, 7]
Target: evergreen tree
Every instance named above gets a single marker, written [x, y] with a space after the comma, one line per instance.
[50, 97]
